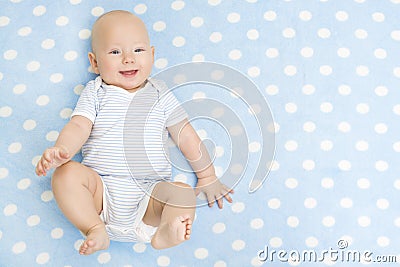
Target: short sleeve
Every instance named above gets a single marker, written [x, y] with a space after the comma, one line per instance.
[87, 103]
[174, 111]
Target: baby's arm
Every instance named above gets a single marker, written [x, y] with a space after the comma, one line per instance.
[196, 153]
[70, 140]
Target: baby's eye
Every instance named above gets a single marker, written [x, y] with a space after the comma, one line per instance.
[138, 50]
[115, 52]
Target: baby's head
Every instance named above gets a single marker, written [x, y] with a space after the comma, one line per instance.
[121, 51]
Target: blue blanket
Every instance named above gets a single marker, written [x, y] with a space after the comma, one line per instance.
[329, 71]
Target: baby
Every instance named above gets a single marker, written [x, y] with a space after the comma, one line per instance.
[102, 196]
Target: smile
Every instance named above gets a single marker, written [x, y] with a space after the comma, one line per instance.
[128, 73]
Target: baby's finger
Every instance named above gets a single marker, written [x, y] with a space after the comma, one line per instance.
[220, 202]
[210, 200]
[47, 155]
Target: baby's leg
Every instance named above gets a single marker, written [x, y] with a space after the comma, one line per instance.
[171, 208]
[78, 191]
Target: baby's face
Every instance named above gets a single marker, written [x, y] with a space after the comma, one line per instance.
[122, 54]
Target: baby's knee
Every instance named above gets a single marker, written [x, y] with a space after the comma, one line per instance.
[185, 192]
[64, 174]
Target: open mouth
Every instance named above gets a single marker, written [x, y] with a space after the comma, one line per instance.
[128, 73]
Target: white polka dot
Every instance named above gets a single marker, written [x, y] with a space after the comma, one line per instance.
[309, 126]
[272, 89]
[218, 228]
[238, 207]
[272, 52]
[178, 5]
[362, 108]
[270, 15]
[326, 107]
[324, 33]
[380, 53]
[291, 183]
[1, 76]
[48, 44]
[257, 223]
[42, 258]
[24, 184]
[292, 221]
[140, 9]
[29, 125]
[274, 203]
[326, 145]
[4, 21]
[14, 147]
[275, 242]
[42, 100]
[362, 145]
[238, 245]
[220, 264]
[344, 127]
[381, 91]
[65, 113]
[97, 11]
[56, 77]
[343, 52]
[159, 26]
[235, 54]
[198, 58]
[383, 241]
[104, 258]
[307, 52]
[10, 209]
[70, 55]
[289, 33]
[47, 196]
[214, 2]
[62, 21]
[254, 72]
[363, 183]
[215, 37]
[382, 204]
[378, 17]
[52, 136]
[75, 2]
[39, 11]
[161, 63]
[310, 203]
[273, 165]
[3, 173]
[344, 90]
[290, 70]
[233, 17]
[33, 66]
[305, 15]
[342, 16]
[197, 22]
[361, 34]
[139, 247]
[396, 72]
[328, 221]
[19, 89]
[396, 146]
[273, 127]
[381, 165]
[57, 233]
[381, 128]
[179, 41]
[19, 247]
[24, 31]
[254, 147]
[344, 165]
[395, 35]
[291, 107]
[5, 111]
[362, 70]
[327, 182]
[308, 89]
[364, 221]
[325, 70]
[236, 130]
[201, 253]
[252, 34]
[311, 242]
[33, 220]
[291, 145]
[346, 203]
[10, 54]
[84, 34]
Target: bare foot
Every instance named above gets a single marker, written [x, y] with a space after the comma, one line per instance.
[97, 239]
[172, 233]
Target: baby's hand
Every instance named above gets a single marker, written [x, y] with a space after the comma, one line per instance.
[214, 190]
[52, 157]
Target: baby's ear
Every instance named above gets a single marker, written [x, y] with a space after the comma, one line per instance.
[93, 62]
[152, 52]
